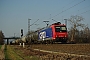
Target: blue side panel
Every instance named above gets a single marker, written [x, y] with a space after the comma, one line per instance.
[48, 33]
[45, 34]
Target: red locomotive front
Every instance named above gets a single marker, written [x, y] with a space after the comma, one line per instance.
[59, 32]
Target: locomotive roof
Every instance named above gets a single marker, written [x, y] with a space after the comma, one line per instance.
[54, 24]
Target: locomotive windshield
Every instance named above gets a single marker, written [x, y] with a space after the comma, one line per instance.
[60, 29]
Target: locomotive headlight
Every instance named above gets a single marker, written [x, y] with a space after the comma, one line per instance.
[54, 38]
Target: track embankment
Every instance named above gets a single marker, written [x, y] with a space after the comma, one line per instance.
[53, 51]
[83, 49]
[65, 51]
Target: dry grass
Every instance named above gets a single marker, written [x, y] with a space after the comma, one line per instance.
[11, 55]
[2, 56]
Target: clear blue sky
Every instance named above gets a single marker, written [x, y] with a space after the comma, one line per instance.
[14, 14]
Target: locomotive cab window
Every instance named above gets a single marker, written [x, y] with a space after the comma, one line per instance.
[60, 29]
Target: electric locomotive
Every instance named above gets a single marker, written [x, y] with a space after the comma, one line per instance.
[56, 32]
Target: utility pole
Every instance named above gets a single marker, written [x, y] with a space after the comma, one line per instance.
[29, 29]
[65, 22]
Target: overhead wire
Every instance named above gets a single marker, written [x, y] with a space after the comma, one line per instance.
[34, 22]
[65, 6]
[68, 8]
[80, 10]
[69, 3]
[62, 7]
[84, 7]
[85, 12]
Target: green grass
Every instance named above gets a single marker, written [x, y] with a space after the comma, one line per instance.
[10, 54]
[5, 52]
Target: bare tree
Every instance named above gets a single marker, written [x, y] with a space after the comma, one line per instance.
[75, 22]
[86, 35]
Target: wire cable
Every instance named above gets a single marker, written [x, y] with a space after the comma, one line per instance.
[34, 22]
[68, 8]
[79, 10]
[85, 12]
[65, 10]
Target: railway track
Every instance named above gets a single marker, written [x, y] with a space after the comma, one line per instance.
[55, 51]
[83, 49]
[67, 51]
